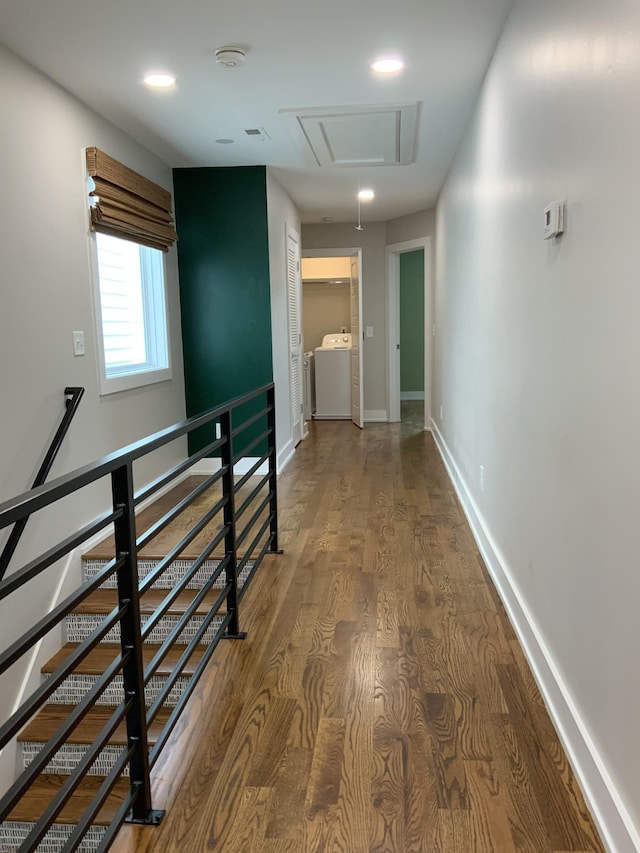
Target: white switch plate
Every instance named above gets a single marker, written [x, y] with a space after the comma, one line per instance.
[369, 331]
[78, 343]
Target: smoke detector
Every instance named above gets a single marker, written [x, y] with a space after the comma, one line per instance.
[230, 56]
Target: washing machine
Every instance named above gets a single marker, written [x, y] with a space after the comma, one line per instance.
[333, 377]
[309, 389]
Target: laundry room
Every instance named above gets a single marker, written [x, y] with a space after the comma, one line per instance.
[326, 328]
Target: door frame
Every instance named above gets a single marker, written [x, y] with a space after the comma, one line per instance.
[346, 252]
[393, 252]
[356, 258]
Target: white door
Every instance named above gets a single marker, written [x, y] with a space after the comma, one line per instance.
[356, 339]
[295, 333]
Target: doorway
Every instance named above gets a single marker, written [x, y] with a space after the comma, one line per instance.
[409, 330]
[332, 303]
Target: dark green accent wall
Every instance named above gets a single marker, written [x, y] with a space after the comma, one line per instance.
[412, 321]
[223, 261]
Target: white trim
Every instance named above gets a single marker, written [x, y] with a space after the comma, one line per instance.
[211, 464]
[373, 416]
[610, 814]
[412, 395]
[331, 253]
[359, 370]
[286, 454]
[393, 252]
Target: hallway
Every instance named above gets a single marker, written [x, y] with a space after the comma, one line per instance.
[381, 701]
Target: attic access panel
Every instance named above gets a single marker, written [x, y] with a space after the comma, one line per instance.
[381, 135]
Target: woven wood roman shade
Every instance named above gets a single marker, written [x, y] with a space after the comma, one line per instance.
[128, 205]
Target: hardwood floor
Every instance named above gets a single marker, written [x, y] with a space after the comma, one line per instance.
[381, 702]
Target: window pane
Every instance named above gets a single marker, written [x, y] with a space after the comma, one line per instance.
[123, 327]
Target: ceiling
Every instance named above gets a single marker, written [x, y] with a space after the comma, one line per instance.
[305, 54]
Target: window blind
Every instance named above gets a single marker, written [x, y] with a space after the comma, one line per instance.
[128, 205]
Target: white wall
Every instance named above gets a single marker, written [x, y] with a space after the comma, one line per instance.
[413, 226]
[536, 368]
[280, 212]
[45, 293]
[326, 309]
[372, 242]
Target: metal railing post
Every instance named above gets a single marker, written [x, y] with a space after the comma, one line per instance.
[131, 641]
[273, 477]
[230, 548]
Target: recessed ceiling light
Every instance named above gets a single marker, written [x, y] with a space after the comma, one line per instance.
[160, 81]
[224, 141]
[388, 65]
[366, 195]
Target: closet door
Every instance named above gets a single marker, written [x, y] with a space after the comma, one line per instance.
[295, 332]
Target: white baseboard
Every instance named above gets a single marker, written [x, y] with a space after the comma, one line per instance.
[412, 395]
[286, 455]
[211, 464]
[610, 814]
[372, 416]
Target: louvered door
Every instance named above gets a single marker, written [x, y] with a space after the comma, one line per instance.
[295, 333]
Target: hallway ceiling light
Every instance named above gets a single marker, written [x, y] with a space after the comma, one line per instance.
[366, 195]
[160, 80]
[388, 65]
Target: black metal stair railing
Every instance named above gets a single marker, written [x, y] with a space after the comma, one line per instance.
[225, 536]
[72, 397]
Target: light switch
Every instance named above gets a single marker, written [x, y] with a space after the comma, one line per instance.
[369, 331]
[78, 343]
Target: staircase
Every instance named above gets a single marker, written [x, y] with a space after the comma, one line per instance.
[195, 551]
[79, 624]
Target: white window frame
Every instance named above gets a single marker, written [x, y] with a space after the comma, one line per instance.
[155, 318]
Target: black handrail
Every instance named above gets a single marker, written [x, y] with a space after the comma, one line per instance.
[72, 397]
[219, 519]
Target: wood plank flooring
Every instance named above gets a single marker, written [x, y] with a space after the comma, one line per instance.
[381, 702]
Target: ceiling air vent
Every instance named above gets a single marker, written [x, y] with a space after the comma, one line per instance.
[375, 135]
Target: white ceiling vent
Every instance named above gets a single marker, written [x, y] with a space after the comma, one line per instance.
[381, 135]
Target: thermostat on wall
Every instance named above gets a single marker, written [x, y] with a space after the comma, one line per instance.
[554, 219]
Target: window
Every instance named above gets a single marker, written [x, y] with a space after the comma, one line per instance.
[133, 225]
[130, 314]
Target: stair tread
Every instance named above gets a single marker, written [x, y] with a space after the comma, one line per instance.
[174, 532]
[46, 786]
[167, 538]
[103, 601]
[102, 655]
[52, 716]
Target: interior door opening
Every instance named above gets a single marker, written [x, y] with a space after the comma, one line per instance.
[409, 331]
[331, 334]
